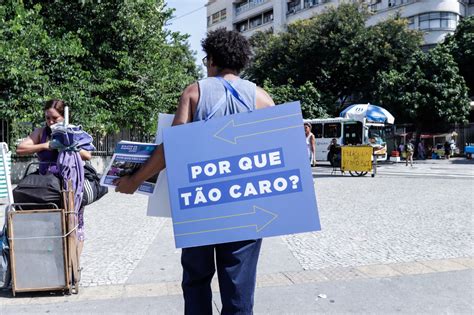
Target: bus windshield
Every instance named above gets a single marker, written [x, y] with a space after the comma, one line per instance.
[378, 133]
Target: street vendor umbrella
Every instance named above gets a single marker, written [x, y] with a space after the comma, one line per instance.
[371, 113]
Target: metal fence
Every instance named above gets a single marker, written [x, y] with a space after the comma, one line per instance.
[105, 144]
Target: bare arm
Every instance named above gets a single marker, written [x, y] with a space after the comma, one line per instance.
[263, 100]
[156, 163]
[31, 144]
[85, 155]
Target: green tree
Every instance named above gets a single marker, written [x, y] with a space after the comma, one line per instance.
[138, 67]
[336, 52]
[112, 60]
[461, 45]
[429, 91]
[33, 64]
[307, 94]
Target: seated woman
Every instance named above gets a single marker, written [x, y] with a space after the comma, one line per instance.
[334, 153]
[39, 142]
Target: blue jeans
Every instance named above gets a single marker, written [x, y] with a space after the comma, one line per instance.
[236, 270]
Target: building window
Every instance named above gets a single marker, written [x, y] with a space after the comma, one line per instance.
[216, 17]
[310, 3]
[375, 5]
[394, 3]
[256, 21]
[438, 20]
[294, 6]
[332, 130]
[247, 5]
[411, 23]
[317, 130]
[267, 17]
[241, 7]
[242, 26]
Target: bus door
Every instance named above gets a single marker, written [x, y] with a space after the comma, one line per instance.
[317, 130]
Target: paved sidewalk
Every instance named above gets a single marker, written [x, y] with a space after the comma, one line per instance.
[389, 244]
[297, 293]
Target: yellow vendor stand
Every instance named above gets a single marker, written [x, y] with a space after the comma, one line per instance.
[357, 160]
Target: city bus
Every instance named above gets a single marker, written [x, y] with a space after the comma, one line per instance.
[347, 131]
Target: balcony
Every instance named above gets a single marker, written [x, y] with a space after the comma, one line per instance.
[248, 5]
[377, 5]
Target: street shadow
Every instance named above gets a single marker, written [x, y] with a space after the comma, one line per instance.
[462, 162]
[338, 175]
[27, 295]
[326, 175]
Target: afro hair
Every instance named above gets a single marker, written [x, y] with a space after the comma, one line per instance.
[228, 49]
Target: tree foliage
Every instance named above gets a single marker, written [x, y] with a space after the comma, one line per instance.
[429, 91]
[33, 64]
[336, 52]
[461, 45]
[112, 60]
[307, 94]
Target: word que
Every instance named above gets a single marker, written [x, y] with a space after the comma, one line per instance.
[235, 165]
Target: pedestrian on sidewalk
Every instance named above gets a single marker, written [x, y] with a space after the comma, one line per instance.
[447, 150]
[409, 149]
[227, 53]
[310, 144]
[421, 150]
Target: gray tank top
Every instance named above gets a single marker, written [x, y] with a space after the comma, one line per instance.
[211, 91]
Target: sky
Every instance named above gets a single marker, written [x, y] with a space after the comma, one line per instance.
[190, 18]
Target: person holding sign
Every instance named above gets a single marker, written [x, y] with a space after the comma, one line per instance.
[222, 93]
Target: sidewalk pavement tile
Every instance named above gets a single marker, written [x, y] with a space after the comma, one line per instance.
[174, 288]
[146, 290]
[378, 271]
[444, 265]
[412, 268]
[98, 292]
[466, 261]
[299, 277]
[276, 279]
[348, 273]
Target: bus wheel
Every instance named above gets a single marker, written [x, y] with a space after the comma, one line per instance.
[356, 173]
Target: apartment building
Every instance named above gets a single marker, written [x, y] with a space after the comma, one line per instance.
[436, 18]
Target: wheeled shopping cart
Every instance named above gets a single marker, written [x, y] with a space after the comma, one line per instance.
[43, 246]
[42, 240]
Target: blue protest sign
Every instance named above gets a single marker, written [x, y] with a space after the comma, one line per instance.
[240, 177]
